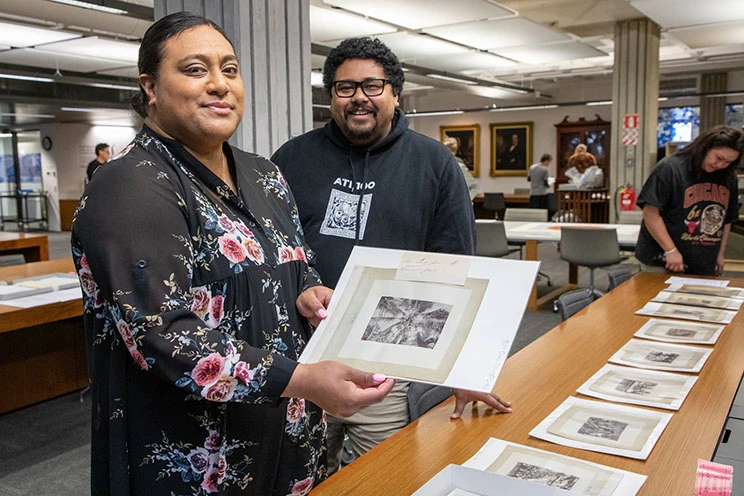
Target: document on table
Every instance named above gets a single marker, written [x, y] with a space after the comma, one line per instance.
[46, 298]
[687, 312]
[698, 300]
[661, 356]
[721, 283]
[427, 317]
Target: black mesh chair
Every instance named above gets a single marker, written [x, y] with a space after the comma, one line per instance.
[618, 275]
[494, 202]
[572, 302]
[590, 247]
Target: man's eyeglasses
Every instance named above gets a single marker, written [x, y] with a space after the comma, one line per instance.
[370, 87]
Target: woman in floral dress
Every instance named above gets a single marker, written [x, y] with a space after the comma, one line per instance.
[199, 296]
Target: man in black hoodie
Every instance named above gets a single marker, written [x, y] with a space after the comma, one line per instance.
[367, 179]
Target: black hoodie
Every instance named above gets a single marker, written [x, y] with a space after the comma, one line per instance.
[414, 194]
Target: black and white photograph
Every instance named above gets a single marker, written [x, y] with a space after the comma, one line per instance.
[407, 322]
[698, 300]
[661, 356]
[554, 470]
[655, 309]
[544, 476]
[638, 387]
[603, 427]
[679, 331]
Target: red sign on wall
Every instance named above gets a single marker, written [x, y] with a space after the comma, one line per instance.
[630, 129]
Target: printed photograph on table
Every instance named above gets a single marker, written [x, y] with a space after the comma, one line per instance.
[468, 144]
[680, 331]
[661, 356]
[603, 427]
[420, 316]
[639, 387]
[511, 149]
[702, 289]
[698, 300]
[687, 312]
[550, 469]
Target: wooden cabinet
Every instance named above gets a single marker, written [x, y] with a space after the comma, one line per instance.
[595, 134]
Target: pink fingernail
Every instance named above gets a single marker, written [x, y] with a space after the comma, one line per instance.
[322, 314]
[379, 377]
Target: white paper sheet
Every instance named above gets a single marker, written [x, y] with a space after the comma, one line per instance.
[687, 312]
[13, 292]
[554, 470]
[46, 298]
[727, 292]
[721, 283]
[661, 356]
[457, 478]
[680, 331]
[603, 427]
[639, 387]
[698, 300]
[461, 338]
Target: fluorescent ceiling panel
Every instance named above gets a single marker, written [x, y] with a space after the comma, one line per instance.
[730, 33]
[680, 13]
[329, 24]
[489, 35]
[549, 54]
[410, 47]
[417, 14]
[93, 46]
[20, 36]
[50, 60]
[130, 72]
[466, 62]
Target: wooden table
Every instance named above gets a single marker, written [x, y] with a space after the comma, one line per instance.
[33, 247]
[531, 233]
[42, 352]
[539, 378]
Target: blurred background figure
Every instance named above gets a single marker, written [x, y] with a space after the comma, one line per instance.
[539, 184]
[472, 182]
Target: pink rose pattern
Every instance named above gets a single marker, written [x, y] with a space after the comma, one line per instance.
[223, 375]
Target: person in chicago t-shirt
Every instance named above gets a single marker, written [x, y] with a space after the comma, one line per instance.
[689, 202]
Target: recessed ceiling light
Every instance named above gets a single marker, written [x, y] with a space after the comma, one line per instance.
[436, 112]
[92, 6]
[77, 109]
[26, 78]
[16, 114]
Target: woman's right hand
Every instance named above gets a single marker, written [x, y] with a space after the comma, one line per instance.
[337, 388]
[674, 262]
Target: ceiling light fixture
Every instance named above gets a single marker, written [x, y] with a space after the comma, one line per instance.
[603, 102]
[526, 107]
[451, 79]
[115, 86]
[91, 6]
[16, 114]
[27, 78]
[77, 109]
[413, 113]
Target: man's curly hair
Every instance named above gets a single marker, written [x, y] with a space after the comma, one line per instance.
[366, 49]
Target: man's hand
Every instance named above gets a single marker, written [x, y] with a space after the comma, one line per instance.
[463, 397]
[313, 302]
[337, 388]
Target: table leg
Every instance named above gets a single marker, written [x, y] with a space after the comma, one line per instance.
[530, 253]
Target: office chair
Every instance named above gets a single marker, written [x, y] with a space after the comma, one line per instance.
[618, 275]
[423, 397]
[528, 215]
[494, 202]
[572, 302]
[491, 239]
[590, 247]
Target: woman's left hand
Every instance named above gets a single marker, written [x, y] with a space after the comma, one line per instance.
[313, 302]
[463, 397]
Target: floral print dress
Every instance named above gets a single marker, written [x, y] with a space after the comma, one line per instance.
[191, 326]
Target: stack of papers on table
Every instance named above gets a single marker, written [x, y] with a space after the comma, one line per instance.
[55, 282]
[13, 291]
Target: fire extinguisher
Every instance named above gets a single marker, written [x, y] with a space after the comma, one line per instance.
[627, 199]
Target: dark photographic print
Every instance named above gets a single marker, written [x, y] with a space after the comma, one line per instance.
[632, 386]
[405, 321]
[603, 428]
[661, 357]
[542, 475]
[680, 333]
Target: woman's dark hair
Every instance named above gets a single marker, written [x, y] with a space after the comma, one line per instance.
[717, 137]
[365, 49]
[151, 48]
[546, 157]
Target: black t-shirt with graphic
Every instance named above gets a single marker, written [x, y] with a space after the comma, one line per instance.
[694, 211]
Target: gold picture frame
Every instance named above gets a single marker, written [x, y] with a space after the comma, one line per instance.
[468, 141]
[511, 148]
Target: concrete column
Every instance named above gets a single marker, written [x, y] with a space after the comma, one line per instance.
[635, 90]
[272, 41]
[712, 109]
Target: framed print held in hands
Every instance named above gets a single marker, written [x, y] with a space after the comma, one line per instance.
[468, 144]
[511, 149]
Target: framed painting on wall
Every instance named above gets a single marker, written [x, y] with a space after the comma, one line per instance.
[511, 148]
[468, 144]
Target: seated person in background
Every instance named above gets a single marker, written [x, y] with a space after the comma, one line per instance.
[581, 159]
[689, 202]
[472, 182]
[538, 178]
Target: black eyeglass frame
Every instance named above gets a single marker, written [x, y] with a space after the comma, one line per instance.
[360, 85]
